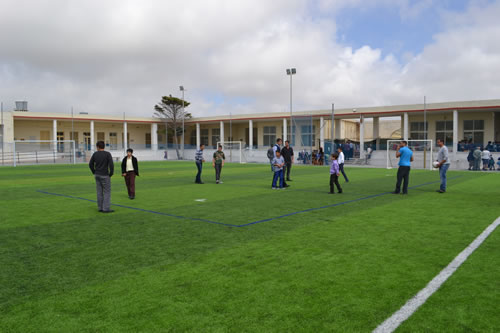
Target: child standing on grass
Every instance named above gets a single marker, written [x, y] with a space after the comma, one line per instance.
[334, 174]
[278, 163]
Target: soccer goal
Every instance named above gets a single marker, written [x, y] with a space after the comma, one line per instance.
[234, 151]
[422, 153]
[27, 152]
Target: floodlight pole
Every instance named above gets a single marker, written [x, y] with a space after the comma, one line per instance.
[291, 72]
[425, 131]
[332, 134]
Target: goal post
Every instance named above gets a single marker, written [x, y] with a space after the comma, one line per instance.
[28, 152]
[422, 153]
[233, 151]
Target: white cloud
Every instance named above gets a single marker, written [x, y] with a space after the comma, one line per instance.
[121, 56]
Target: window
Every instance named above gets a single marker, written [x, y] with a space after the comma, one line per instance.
[308, 135]
[204, 136]
[474, 130]
[215, 136]
[444, 132]
[269, 135]
[418, 130]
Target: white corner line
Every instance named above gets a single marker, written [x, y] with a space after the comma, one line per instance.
[393, 322]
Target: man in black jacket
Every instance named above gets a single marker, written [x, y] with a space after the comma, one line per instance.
[101, 165]
[287, 153]
[130, 169]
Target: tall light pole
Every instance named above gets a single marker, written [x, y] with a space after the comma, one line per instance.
[291, 72]
[182, 89]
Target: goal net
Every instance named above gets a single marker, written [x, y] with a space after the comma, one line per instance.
[26, 152]
[422, 153]
[234, 151]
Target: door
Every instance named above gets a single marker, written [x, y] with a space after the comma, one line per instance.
[113, 141]
[60, 145]
[148, 140]
[86, 140]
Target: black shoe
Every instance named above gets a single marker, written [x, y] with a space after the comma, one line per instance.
[108, 211]
[340, 192]
[288, 180]
[287, 185]
[201, 183]
[440, 191]
[132, 198]
[100, 210]
[394, 192]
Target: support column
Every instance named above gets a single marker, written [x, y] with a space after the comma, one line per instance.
[250, 133]
[92, 137]
[222, 133]
[154, 136]
[376, 132]
[361, 136]
[405, 126]
[322, 132]
[125, 135]
[285, 132]
[54, 134]
[198, 136]
[455, 134]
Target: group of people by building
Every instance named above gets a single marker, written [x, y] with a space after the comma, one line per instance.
[481, 159]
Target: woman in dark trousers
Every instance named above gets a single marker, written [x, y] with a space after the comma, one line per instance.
[130, 169]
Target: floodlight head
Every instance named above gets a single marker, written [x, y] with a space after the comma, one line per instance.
[294, 71]
[181, 88]
[288, 71]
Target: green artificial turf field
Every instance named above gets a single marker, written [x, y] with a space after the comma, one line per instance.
[247, 258]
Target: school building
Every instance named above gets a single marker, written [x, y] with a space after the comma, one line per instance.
[476, 121]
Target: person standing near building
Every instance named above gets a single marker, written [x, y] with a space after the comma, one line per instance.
[198, 158]
[405, 156]
[477, 159]
[277, 148]
[485, 156]
[287, 153]
[102, 167]
[444, 163]
[340, 161]
[278, 163]
[218, 162]
[130, 169]
[334, 174]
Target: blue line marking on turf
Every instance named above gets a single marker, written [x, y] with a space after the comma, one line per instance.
[142, 210]
[250, 223]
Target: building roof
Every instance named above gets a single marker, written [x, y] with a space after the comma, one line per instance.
[346, 113]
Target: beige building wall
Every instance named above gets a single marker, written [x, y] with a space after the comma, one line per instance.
[38, 129]
[488, 118]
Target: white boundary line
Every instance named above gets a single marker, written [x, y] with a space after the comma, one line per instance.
[393, 322]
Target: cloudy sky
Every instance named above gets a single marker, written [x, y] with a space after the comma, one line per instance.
[115, 56]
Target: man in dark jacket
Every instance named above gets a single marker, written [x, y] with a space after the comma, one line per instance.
[101, 165]
[130, 169]
[287, 153]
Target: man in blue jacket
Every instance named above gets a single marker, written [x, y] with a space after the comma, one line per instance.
[405, 156]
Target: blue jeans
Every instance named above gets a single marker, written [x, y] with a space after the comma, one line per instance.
[278, 174]
[198, 175]
[442, 175]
